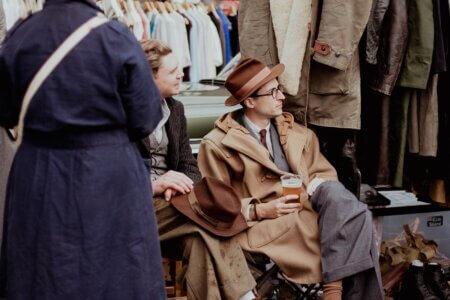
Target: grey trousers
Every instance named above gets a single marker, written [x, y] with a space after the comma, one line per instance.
[213, 268]
[348, 250]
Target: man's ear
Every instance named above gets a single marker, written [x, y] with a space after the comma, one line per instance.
[249, 102]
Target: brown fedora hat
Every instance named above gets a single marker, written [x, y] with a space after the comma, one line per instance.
[248, 76]
[214, 206]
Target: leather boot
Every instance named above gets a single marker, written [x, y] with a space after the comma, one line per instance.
[434, 277]
[414, 286]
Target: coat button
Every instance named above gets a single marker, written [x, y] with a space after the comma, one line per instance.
[337, 54]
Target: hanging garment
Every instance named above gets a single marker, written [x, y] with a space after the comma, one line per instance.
[226, 29]
[214, 48]
[138, 28]
[171, 37]
[184, 55]
[12, 12]
[218, 23]
[234, 35]
[329, 92]
[195, 46]
[374, 26]
[439, 63]
[398, 134]
[145, 22]
[417, 64]
[423, 120]
[392, 48]
[2, 23]
[79, 226]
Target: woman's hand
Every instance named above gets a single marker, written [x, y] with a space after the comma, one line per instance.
[278, 207]
[172, 183]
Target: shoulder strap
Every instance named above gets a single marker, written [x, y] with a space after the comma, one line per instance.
[52, 62]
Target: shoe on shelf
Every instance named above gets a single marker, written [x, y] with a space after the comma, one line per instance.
[414, 286]
[435, 279]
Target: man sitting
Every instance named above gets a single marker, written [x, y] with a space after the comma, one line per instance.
[327, 237]
[213, 267]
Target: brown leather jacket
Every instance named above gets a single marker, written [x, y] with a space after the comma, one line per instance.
[392, 47]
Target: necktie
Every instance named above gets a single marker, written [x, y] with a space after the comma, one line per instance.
[263, 133]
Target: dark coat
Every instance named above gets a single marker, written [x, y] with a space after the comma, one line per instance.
[373, 30]
[392, 48]
[179, 155]
[440, 51]
[79, 216]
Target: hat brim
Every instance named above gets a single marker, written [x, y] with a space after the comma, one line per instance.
[181, 203]
[274, 73]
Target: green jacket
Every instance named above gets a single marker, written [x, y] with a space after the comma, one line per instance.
[417, 64]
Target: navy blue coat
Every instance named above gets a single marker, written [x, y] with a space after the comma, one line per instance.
[79, 216]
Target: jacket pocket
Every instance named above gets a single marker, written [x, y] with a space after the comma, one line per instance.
[269, 230]
[325, 80]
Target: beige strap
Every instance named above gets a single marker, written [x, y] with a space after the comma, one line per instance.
[52, 62]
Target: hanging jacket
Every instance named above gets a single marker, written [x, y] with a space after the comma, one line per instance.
[392, 48]
[328, 79]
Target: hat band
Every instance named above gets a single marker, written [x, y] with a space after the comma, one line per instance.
[251, 83]
[197, 209]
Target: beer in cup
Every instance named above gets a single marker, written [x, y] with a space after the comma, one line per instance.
[292, 185]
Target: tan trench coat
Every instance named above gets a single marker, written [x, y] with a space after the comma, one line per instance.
[230, 153]
[327, 90]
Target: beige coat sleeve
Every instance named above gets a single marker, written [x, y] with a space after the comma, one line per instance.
[342, 24]
[212, 163]
[317, 165]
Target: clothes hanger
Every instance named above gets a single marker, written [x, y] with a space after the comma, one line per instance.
[124, 7]
[146, 7]
[168, 6]
[186, 5]
[160, 7]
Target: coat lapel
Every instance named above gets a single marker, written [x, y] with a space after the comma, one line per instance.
[172, 135]
[246, 144]
[292, 142]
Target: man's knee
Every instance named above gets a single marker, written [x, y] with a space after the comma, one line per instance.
[332, 195]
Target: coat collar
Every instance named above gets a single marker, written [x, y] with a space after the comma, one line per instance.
[239, 139]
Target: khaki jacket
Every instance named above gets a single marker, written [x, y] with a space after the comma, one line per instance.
[325, 90]
[230, 153]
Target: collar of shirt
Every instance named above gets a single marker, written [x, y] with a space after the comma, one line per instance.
[166, 114]
[255, 129]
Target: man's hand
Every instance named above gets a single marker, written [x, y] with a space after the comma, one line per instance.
[172, 183]
[278, 207]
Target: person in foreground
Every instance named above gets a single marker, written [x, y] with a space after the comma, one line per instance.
[325, 235]
[214, 267]
[78, 222]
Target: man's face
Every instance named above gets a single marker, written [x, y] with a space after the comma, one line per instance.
[267, 102]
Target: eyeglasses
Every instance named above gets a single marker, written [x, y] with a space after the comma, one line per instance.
[273, 92]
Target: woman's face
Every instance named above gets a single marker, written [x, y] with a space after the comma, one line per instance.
[169, 76]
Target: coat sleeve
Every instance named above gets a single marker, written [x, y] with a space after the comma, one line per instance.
[342, 24]
[140, 96]
[211, 161]
[318, 166]
[187, 163]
